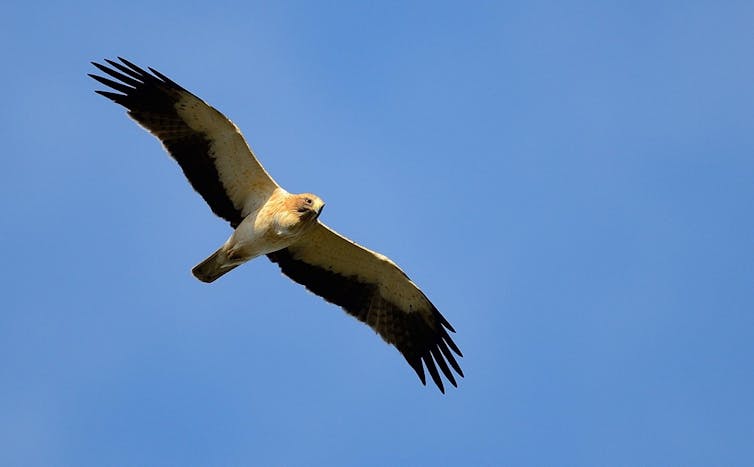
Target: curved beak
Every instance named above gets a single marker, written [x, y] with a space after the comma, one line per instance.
[320, 205]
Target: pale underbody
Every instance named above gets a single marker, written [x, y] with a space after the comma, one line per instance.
[275, 225]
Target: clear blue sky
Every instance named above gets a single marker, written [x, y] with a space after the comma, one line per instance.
[572, 183]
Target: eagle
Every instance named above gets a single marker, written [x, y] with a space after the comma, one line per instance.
[285, 227]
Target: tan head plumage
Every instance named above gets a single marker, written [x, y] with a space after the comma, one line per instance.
[298, 213]
[306, 205]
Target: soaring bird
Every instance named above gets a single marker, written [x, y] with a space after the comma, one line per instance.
[268, 220]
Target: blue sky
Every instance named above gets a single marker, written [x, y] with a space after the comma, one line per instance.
[570, 182]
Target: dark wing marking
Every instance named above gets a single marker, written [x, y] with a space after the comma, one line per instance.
[208, 147]
[355, 278]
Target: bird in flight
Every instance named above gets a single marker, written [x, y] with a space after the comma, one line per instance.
[268, 220]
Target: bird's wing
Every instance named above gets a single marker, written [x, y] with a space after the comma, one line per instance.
[370, 287]
[209, 148]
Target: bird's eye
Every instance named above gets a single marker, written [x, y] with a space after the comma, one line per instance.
[308, 201]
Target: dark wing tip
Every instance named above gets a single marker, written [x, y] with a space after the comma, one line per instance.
[165, 78]
[430, 364]
[443, 365]
[446, 338]
[117, 98]
[134, 80]
[113, 84]
[446, 324]
[133, 66]
[428, 346]
[416, 364]
[449, 357]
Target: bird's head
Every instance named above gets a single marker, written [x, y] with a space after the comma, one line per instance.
[295, 214]
[298, 213]
[307, 206]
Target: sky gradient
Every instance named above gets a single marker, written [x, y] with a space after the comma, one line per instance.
[571, 183]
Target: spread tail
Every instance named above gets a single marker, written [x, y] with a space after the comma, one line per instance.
[213, 267]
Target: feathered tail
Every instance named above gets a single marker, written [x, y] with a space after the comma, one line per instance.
[213, 267]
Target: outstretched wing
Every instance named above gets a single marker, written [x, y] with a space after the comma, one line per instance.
[209, 148]
[373, 289]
